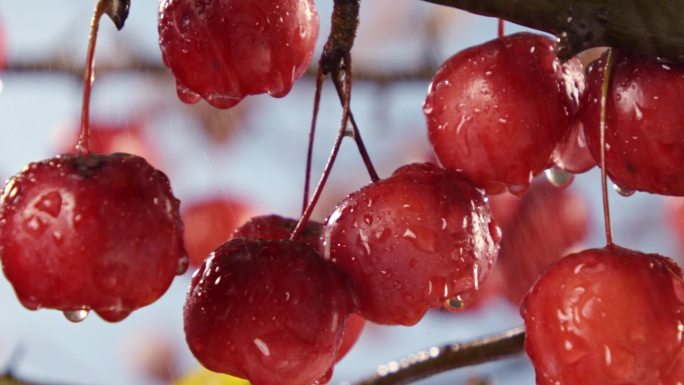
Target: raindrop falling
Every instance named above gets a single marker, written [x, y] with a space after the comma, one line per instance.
[559, 177]
[625, 192]
[76, 315]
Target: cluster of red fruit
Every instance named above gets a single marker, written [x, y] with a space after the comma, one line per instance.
[281, 302]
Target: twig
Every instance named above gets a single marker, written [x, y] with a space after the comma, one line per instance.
[439, 360]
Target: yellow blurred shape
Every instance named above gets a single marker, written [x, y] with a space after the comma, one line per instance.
[205, 377]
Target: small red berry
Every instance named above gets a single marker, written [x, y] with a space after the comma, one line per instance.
[224, 50]
[209, 223]
[101, 233]
[496, 111]
[644, 116]
[409, 242]
[277, 227]
[272, 312]
[607, 316]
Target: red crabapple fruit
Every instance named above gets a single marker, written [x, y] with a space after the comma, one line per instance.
[224, 50]
[644, 122]
[496, 111]
[275, 227]
[101, 233]
[411, 242]
[548, 222]
[209, 223]
[270, 311]
[607, 316]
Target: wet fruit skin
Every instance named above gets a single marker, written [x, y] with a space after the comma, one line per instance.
[496, 111]
[270, 311]
[276, 227]
[102, 234]
[224, 50]
[607, 317]
[548, 222]
[644, 122]
[409, 242]
[209, 223]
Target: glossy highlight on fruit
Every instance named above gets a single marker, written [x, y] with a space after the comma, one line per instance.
[496, 111]
[224, 50]
[101, 233]
[270, 311]
[607, 316]
[412, 241]
[644, 115]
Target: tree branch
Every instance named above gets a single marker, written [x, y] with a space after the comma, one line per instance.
[651, 27]
[438, 360]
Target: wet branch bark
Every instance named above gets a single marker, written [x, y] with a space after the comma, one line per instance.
[652, 27]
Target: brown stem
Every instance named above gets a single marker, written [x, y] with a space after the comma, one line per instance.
[331, 160]
[439, 360]
[653, 28]
[344, 23]
[356, 133]
[312, 133]
[501, 31]
[605, 86]
[83, 144]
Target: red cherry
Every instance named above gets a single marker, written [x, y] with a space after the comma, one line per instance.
[277, 227]
[224, 50]
[643, 122]
[496, 111]
[269, 311]
[409, 242]
[101, 233]
[607, 317]
[209, 223]
[548, 222]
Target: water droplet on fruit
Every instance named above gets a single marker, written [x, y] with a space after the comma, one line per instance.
[186, 94]
[623, 191]
[10, 192]
[454, 304]
[223, 101]
[50, 203]
[559, 177]
[518, 189]
[182, 266]
[76, 315]
[495, 231]
[35, 226]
